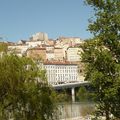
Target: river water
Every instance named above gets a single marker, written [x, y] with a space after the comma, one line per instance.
[75, 111]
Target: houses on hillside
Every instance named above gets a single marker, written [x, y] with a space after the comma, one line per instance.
[39, 45]
[60, 57]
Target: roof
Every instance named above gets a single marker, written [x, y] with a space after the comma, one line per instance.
[59, 63]
[37, 48]
[57, 48]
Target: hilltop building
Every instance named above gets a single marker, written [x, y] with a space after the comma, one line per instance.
[37, 39]
[37, 53]
[59, 53]
[40, 36]
[64, 48]
[19, 49]
[73, 54]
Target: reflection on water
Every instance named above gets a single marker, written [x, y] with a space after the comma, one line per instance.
[74, 110]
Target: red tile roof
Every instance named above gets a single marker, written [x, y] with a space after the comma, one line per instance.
[59, 63]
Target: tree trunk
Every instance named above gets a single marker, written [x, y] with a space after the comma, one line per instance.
[107, 115]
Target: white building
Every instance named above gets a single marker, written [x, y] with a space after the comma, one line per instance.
[59, 72]
[40, 36]
[18, 49]
[50, 52]
[73, 54]
[32, 43]
[37, 39]
[50, 55]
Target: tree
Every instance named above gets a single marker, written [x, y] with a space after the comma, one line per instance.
[102, 58]
[84, 95]
[62, 97]
[24, 92]
[106, 25]
[3, 47]
[103, 72]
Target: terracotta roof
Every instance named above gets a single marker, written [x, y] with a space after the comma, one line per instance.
[59, 63]
[57, 48]
[37, 48]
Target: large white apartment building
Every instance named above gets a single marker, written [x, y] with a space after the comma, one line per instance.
[59, 72]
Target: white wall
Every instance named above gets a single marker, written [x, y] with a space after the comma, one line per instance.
[73, 54]
[62, 73]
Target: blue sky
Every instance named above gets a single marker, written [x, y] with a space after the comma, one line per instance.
[19, 19]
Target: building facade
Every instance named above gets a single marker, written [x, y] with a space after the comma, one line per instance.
[60, 72]
[73, 54]
[40, 36]
[37, 53]
[59, 54]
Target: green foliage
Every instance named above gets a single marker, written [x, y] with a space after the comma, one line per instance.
[22, 95]
[104, 74]
[83, 95]
[106, 25]
[102, 56]
[3, 47]
[62, 97]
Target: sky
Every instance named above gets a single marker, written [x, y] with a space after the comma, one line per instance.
[20, 19]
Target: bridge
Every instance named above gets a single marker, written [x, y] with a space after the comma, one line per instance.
[72, 86]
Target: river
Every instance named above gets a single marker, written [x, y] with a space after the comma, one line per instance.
[75, 111]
